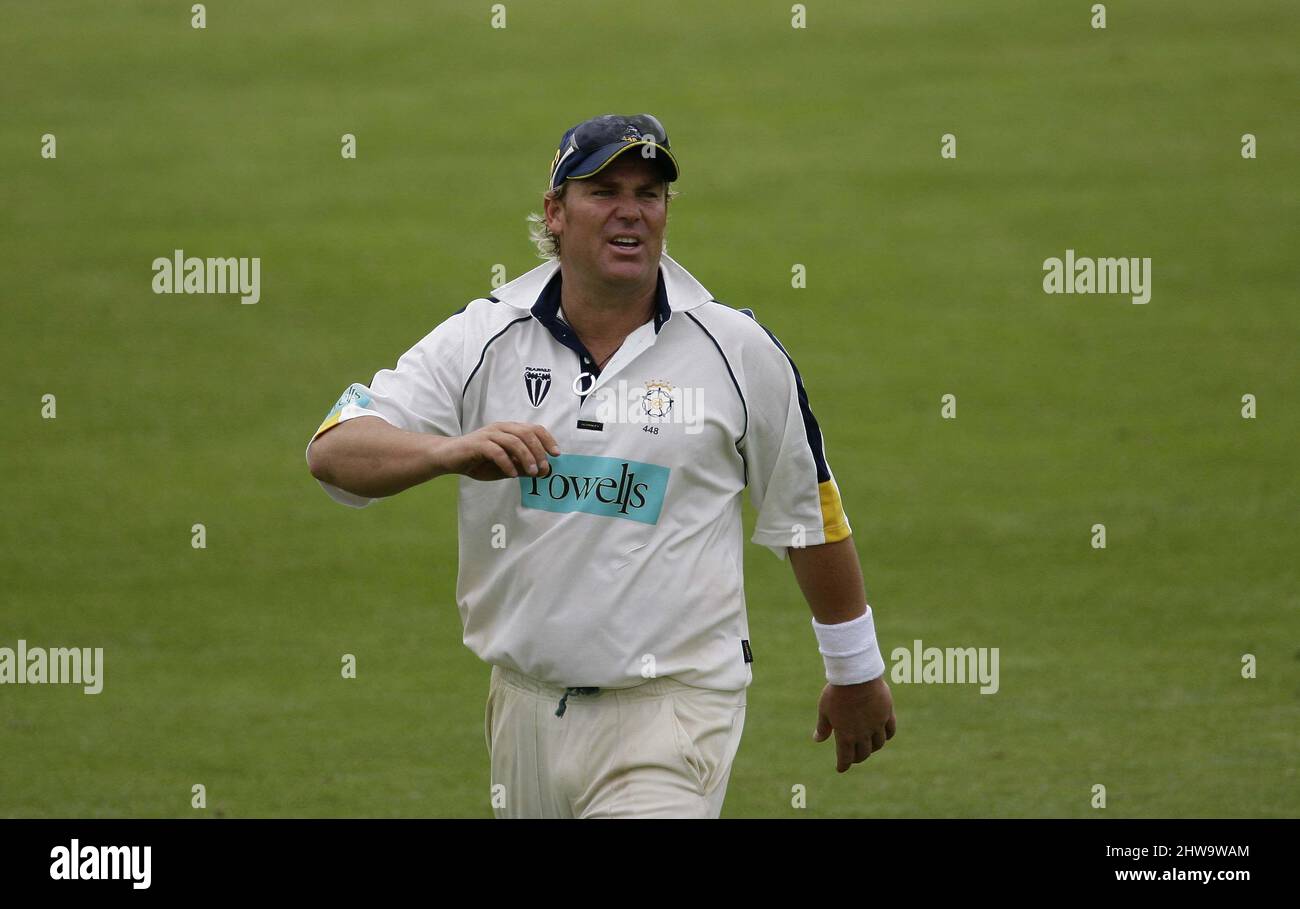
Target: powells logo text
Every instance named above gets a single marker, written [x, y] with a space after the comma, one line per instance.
[612, 487]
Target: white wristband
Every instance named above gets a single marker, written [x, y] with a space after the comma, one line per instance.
[850, 651]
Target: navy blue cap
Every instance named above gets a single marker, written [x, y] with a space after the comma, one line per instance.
[592, 144]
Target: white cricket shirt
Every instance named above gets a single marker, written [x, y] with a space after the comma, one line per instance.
[625, 563]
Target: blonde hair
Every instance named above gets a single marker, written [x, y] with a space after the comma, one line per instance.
[548, 245]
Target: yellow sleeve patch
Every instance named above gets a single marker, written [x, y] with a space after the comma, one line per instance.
[835, 523]
[356, 394]
[330, 422]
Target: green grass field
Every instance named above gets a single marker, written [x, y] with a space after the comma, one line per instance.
[819, 146]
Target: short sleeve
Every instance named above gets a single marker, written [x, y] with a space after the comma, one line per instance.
[790, 481]
[422, 394]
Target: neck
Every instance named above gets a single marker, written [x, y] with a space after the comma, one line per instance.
[602, 314]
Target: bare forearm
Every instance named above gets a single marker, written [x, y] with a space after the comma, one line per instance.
[370, 457]
[830, 577]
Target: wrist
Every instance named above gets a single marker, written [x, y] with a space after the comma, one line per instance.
[850, 651]
[438, 460]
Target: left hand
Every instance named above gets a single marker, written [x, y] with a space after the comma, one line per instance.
[862, 717]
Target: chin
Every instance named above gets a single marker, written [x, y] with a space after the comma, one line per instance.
[627, 271]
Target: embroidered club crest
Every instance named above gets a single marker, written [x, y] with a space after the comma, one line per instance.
[657, 402]
[537, 380]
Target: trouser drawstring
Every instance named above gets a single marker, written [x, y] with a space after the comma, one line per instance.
[568, 691]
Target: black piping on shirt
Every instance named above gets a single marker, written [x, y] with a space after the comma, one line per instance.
[810, 427]
[741, 394]
[483, 354]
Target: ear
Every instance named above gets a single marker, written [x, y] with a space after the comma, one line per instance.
[554, 210]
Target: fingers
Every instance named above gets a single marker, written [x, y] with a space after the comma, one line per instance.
[856, 739]
[846, 752]
[852, 749]
[535, 446]
[500, 459]
[515, 449]
[547, 439]
[518, 451]
[823, 728]
[884, 733]
[862, 749]
[538, 441]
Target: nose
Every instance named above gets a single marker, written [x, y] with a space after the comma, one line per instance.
[627, 208]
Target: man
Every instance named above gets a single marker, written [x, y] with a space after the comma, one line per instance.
[604, 413]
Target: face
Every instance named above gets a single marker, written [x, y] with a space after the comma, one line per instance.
[625, 200]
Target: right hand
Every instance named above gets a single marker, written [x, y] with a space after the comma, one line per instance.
[862, 717]
[501, 451]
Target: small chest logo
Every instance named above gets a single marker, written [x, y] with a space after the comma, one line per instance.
[657, 402]
[537, 379]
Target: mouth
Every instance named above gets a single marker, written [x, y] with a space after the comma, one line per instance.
[625, 244]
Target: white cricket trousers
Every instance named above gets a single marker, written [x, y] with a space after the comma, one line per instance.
[662, 749]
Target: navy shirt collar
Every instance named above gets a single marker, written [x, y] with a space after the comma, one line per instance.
[546, 309]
